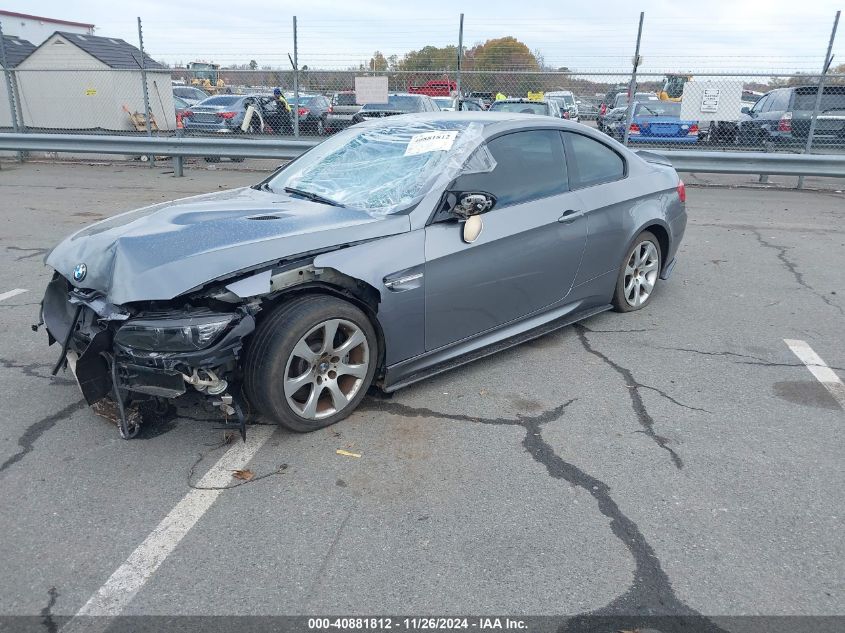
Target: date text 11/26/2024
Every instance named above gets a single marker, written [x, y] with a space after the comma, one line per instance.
[416, 624]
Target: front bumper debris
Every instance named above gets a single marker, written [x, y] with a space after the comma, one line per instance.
[108, 372]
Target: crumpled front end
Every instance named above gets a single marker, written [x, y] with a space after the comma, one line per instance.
[146, 351]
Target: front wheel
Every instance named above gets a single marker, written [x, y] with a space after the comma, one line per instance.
[310, 362]
[638, 275]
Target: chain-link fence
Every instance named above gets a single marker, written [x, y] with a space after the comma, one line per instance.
[717, 102]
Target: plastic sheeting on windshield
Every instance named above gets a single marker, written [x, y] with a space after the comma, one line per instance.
[383, 167]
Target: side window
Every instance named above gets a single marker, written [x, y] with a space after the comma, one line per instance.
[594, 162]
[780, 101]
[529, 165]
[762, 105]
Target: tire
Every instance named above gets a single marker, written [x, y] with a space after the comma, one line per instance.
[627, 296]
[281, 383]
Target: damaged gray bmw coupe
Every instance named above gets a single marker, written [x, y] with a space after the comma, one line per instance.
[397, 249]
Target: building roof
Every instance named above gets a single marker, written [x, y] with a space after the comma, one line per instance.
[113, 52]
[26, 16]
[17, 50]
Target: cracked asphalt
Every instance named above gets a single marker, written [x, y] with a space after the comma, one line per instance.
[676, 460]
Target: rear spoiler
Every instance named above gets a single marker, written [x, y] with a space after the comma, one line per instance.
[652, 157]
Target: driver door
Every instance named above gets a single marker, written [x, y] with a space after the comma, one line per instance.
[528, 253]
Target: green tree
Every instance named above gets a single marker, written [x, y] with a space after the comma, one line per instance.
[378, 62]
[430, 58]
[504, 53]
[253, 64]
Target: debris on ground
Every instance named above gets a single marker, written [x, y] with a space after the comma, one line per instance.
[245, 474]
[345, 453]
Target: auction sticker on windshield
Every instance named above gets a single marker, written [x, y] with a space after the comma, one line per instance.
[431, 142]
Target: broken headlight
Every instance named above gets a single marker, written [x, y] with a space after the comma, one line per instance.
[187, 334]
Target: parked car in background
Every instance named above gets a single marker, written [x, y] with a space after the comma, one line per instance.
[566, 102]
[656, 122]
[472, 105]
[181, 106]
[725, 132]
[588, 108]
[486, 98]
[190, 94]
[782, 118]
[397, 103]
[527, 106]
[225, 114]
[446, 104]
[434, 88]
[613, 119]
[341, 110]
[609, 99]
[621, 101]
[313, 111]
[314, 284]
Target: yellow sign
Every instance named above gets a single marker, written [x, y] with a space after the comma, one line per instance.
[535, 96]
[90, 92]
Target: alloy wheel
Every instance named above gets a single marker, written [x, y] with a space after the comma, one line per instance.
[641, 273]
[326, 369]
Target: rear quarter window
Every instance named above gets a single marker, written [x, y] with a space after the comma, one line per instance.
[593, 162]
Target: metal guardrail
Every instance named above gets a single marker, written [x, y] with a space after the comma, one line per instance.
[774, 164]
[781, 164]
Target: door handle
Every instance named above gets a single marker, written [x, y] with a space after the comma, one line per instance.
[570, 215]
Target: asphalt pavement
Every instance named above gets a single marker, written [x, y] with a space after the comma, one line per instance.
[680, 459]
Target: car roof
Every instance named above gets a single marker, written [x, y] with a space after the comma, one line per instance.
[521, 100]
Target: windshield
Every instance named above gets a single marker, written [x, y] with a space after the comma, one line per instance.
[344, 99]
[220, 101]
[524, 107]
[383, 168]
[402, 103]
[833, 98]
[658, 108]
[444, 102]
[622, 99]
[189, 93]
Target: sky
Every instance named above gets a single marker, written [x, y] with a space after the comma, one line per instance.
[766, 37]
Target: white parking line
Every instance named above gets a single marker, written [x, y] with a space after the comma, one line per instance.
[819, 369]
[128, 579]
[12, 293]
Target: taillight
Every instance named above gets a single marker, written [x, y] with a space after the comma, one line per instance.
[187, 114]
[682, 191]
[693, 129]
[634, 129]
[603, 109]
[785, 123]
[303, 111]
[226, 115]
[566, 114]
[331, 109]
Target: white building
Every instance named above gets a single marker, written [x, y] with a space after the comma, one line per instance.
[86, 82]
[36, 29]
[17, 50]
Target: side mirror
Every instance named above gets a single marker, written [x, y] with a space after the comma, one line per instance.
[473, 203]
[745, 110]
[469, 206]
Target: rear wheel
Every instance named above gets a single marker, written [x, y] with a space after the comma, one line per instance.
[638, 275]
[310, 362]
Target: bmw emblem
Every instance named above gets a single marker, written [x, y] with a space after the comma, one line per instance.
[79, 272]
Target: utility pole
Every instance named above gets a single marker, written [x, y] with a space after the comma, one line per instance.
[460, 58]
[144, 88]
[295, 81]
[632, 87]
[828, 58]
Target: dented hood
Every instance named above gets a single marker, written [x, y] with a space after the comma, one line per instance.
[162, 251]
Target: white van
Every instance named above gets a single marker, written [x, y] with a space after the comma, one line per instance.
[566, 100]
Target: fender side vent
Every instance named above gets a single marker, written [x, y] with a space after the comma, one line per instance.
[265, 217]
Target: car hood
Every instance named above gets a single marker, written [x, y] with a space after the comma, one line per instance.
[162, 251]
